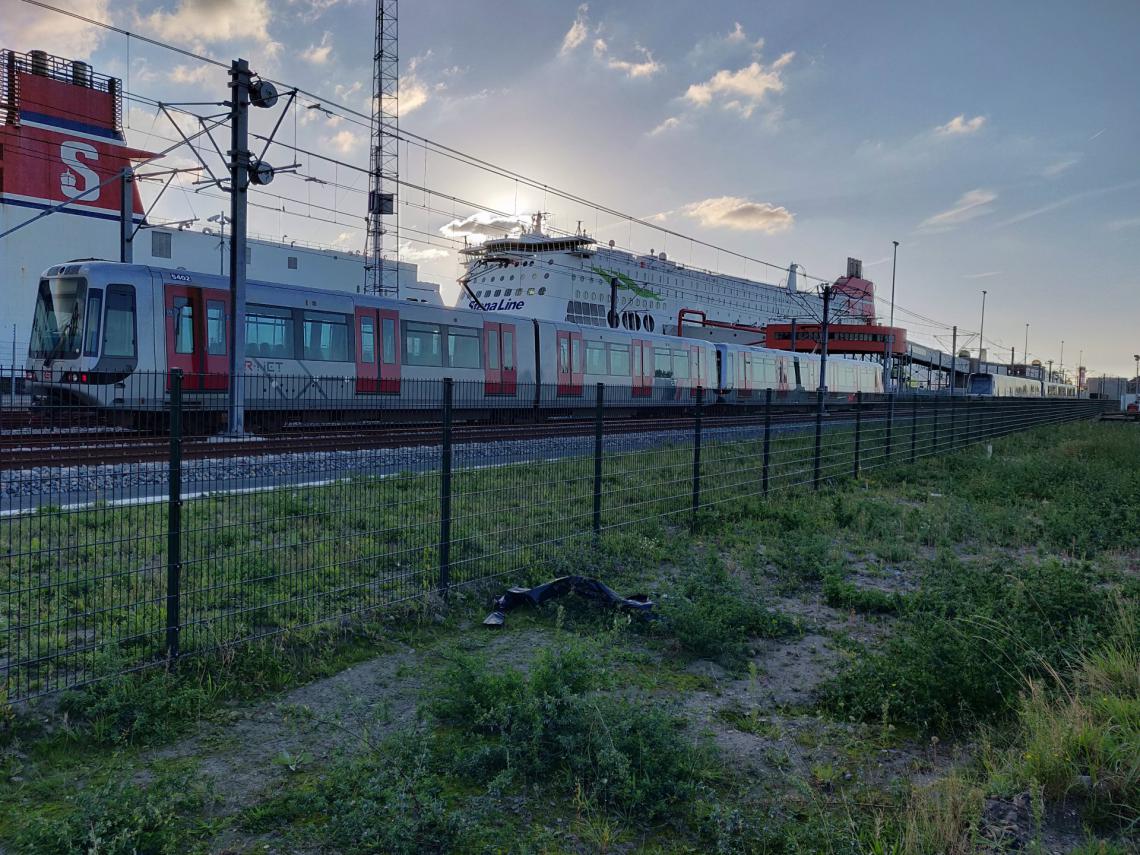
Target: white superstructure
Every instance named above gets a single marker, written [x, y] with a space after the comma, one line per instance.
[570, 278]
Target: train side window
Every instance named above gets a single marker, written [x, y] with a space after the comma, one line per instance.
[564, 355]
[662, 363]
[681, 364]
[508, 348]
[595, 357]
[183, 325]
[269, 332]
[94, 319]
[215, 328]
[463, 347]
[325, 336]
[423, 344]
[119, 325]
[619, 360]
[367, 341]
[388, 331]
[637, 360]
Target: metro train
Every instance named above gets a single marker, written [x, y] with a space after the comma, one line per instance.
[103, 332]
[1007, 386]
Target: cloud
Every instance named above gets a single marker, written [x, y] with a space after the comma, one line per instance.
[742, 90]
[733, 212]
[1126, 223]
[577, 32]
[971, 204]
[417, 254]
[646, 68]
[207, 21]
[28, 28]
[482, 225]
[667, 125]
[985, 275]
[414, 93]
[961, 126]
[343, 141]
[1063, 165]
[1068, 200]
[194, 73]
[319, 54]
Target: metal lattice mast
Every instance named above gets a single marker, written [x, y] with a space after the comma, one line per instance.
[381, 251]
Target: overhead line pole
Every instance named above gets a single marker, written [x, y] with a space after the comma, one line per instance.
[239, 155]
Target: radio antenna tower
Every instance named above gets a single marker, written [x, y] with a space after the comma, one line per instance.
[381, 252]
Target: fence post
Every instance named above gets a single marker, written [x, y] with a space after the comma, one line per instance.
[953, 423]
[445, 491]
[767, 436]
[858, 432]
[174, 520]
[890, 426]
[598, 414]
[818, 435]
[697, 454]
[913, 427]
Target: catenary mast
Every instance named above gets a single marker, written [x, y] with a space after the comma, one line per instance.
[380, 271]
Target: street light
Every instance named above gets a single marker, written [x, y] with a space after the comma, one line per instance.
[982, 332]
[891, 337]
[1025, 353]
[222, 220]
[1061, 367]
[1136, 379]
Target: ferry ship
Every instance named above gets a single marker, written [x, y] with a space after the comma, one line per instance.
[62, 140]
[572, 278]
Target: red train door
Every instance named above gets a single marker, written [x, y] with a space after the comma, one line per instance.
[745, 379]
[492, 359]
[641, 368]
[198, 336]
[569, 362]
[367, 352]
[696, 369]
[510, 371]
[378, 351]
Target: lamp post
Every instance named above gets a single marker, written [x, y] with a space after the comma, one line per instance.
[222, 220]
[1025, 353]
[891, 338]
[1061, 365]
[1136, 378]
[982, 333]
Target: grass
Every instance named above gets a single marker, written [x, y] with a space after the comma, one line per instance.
[1012, 642]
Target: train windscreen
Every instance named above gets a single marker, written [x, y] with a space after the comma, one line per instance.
[981, 384]
[57, 329]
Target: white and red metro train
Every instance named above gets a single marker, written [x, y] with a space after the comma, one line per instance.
[107, 334]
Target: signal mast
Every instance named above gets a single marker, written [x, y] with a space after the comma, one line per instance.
[381, 251]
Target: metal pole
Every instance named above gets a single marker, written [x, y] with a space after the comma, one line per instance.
[793, 336]
[239, 186]
[1025, 352]
[953, 362]
[174, 520]
[126, 216]
[890, 425]
[697, 454]
[767, 436]
[825, 331]
[858, 432]
[445, 491]
[599, 412]
[889, 357]
[1061, 367]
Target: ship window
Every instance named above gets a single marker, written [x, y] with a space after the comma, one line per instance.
[215, 328]
[292, 262]
[498, 292]
[160, 244]
[545, 275]
[541, 291]
[530, 292]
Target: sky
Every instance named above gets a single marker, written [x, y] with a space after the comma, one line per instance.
[996, 142]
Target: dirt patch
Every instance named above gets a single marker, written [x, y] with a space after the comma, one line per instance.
[244, 757]
[1016, 825]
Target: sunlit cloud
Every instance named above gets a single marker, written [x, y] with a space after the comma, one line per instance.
[733, 212]
[319, 54]
[482, 225]
[577, 32]
[742, 90]
[971, 204]
[961, 126]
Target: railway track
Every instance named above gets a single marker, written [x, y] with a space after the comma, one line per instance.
[93, 447]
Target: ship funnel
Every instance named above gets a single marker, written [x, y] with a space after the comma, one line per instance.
[792, 278]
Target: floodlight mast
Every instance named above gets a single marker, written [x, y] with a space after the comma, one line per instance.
[381, 252]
